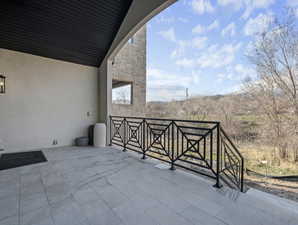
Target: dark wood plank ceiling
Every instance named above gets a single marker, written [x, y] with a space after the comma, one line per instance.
[79, 31]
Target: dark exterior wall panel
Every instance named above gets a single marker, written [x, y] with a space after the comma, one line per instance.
[79, 31]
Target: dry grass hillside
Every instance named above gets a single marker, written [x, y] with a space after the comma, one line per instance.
[243, 119]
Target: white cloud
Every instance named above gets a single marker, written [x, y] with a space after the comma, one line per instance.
[235, 3]
[258, 24]
[180, 48]
[213, 25]
[202, 6]
[248, 5]
[199, 42]
[229, 30]
[199, 29]
[236, 72]
[166, 86]
[184, 62]
[224, 76]
[216, 57]
[183, 20]
[177, 52]
[256, 4]
[243, 72]
[292, 3]
[163, 19]
[182, 45]
[169, 34]
[160, 78]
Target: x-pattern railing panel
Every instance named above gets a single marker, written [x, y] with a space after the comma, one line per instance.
[194, 150]
[134, 133]
[158, 139]
[200, 146]
[117, 125]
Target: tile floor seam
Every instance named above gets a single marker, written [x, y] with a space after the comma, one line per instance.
[221, 220]
[84, 216]
[112, 210]
[48, 201]
[217, 218]
[172, 210]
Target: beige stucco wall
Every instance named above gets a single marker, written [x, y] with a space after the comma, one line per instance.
[46, 99]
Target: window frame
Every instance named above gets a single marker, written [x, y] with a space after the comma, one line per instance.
[125, 83]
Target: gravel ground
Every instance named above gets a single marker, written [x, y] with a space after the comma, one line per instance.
[284, 189]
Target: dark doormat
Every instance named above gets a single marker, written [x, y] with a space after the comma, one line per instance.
[13, 160]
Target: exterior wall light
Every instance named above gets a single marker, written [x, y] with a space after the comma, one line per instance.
[2, 84]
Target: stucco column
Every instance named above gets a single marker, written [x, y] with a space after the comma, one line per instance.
[105, 94]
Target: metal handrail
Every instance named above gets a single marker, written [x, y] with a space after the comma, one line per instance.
[206, 150]
[168, 119]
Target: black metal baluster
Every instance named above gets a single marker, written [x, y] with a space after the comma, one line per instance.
[242, 176]
[182, 144]
[150, 135]
[211, 149]
[177, 142]
[124, 138]
[218, 158]
[204, 148]
[143, 137]
[164, 139]
[173, 148]
[168, 131]
[147, 137]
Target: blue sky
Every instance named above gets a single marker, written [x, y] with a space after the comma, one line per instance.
[201, 45]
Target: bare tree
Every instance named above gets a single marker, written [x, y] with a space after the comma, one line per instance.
[275, 57]
[122, 95]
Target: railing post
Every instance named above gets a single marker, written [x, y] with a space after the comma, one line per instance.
[144, 140]
[124, 135]
[173, 148]
[218, 158]
[242, 176]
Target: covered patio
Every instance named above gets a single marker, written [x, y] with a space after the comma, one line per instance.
[105, 186]
[56, 57]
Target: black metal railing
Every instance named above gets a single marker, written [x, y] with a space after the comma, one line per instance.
[200, 146]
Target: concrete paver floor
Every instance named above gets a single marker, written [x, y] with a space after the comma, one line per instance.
[104, 186]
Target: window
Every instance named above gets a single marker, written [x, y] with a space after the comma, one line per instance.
[131, 40]
[122, 92]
